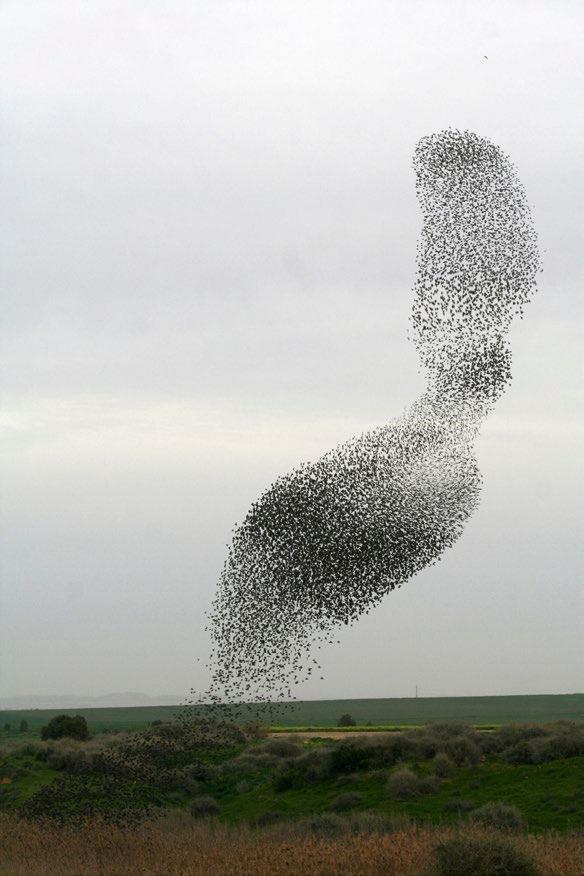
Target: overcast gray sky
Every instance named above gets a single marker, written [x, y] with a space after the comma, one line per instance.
[208, 238]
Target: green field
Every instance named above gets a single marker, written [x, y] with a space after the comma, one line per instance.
[325, 713]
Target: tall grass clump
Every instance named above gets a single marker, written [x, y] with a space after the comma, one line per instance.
[500, 816]
[467, 856]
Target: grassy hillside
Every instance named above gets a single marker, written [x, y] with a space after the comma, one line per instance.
[325, 713]
[246, 780]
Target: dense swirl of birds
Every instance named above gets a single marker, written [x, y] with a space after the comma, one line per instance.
[325, 542]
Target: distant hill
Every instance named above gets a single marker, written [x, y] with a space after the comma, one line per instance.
[129, 699]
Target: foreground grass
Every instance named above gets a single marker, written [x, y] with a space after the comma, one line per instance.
[179, 845]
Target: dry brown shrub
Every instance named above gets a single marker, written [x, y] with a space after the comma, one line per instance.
[180, 846]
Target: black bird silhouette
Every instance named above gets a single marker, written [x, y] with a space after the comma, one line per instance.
[325, 542]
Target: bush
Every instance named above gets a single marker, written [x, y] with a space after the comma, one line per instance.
[203, 807]
[378, 775]
[567, 742]
[463, 751]
[345, 801]
[281, 748]
[462, 856]
[428, 785]
[252, 761]
[512, 734]
[403, 784]
[442, 766]
[448, 729]
[390, 749]
[499, 815]
[200, 772]
[77, 798]
[346, 720]
[311, 767]
[255, 730]
[348, 758]
[66, 725]
[520, 753]
[526, 744]
[348, 779]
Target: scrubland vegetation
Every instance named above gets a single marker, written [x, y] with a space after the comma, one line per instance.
[212, 797]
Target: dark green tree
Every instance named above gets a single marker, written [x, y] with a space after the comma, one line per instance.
[346, 720]
[66, 725]
[24, 726]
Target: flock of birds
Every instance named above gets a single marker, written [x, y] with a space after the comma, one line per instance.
[325, 542]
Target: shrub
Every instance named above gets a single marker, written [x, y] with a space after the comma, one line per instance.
[191, 786]
[403, 784]
[442, 766]
[462, 856]
[388, 750]
[448, 729]
[378, 775]
[346, 801]
[200, 772]
[463, 751]
[282, 748]
[500, 816]
[301, 772]
[66, 759]
[346, 720]
[203, 807]
[252, 761]
[255, 730]
[520, 753]
[349, 779]
[23, 726]
[77, 798]
[349, 757]
[66, 725]
[428, 784]
[511, 734]
[567, 742]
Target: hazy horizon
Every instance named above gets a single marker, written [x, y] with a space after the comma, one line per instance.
[210, 229]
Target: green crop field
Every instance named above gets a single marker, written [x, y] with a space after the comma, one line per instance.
[325, 713]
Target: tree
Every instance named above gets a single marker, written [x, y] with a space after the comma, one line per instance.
[24, 726]
[346, 720]
[66, 725]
